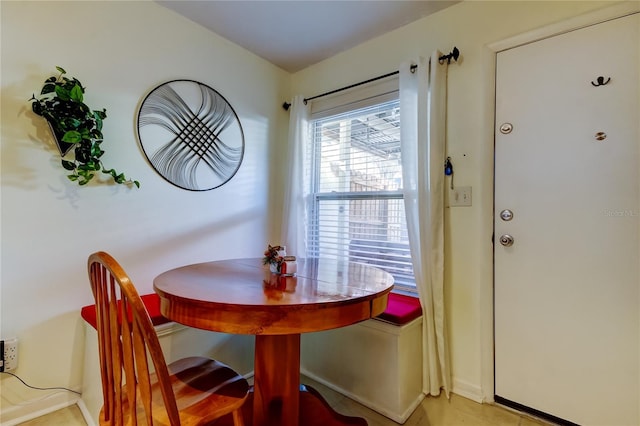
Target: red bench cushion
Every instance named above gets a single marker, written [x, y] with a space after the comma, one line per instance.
[401, 309]
[151, 302]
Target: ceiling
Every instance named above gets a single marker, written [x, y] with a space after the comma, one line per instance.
[295, 34]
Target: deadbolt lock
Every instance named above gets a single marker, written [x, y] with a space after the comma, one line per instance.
[506, 215]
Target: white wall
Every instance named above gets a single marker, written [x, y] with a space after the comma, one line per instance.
[471, 26]
[119, 51]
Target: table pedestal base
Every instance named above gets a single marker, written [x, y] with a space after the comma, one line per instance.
[314, 411]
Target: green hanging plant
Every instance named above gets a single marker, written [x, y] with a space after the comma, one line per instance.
[75, 125]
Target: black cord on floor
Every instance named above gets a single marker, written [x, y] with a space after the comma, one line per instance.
[37, 388]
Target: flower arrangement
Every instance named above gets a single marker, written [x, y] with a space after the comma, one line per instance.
[274, 255]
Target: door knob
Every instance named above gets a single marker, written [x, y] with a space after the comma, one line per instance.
[506, 240]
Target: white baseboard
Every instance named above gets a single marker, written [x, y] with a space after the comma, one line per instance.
[468, 390]
[30, 410]
[86, 414]
[398, 418]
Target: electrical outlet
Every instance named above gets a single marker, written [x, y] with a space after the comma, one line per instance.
[10, 354]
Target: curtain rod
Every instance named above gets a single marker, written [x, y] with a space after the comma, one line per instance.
[454, 54]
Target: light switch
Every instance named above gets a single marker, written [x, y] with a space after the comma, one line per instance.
[460, 196]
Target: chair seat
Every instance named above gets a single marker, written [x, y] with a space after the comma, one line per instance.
[193, 377]
[205, 390]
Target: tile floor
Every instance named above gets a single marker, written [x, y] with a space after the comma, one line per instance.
[432, 412]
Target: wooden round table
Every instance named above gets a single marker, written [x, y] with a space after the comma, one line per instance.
[240, 296]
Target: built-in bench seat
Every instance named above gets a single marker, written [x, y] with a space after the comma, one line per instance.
[401, 309]
[150, 301]
[376, 362]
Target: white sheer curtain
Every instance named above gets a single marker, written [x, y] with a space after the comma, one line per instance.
[294, 211]
[423, 125]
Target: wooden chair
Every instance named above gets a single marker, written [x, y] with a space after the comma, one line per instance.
[190, 391]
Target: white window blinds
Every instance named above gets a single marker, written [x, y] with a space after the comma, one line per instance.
[356, 185]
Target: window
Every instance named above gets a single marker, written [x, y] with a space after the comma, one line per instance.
[357, 207]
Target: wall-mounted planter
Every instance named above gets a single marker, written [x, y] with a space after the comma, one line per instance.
[75, 125]
[63, 147]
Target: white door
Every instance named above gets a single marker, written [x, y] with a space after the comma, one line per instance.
[567, 317]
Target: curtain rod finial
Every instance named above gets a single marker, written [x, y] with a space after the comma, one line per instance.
[454, 54]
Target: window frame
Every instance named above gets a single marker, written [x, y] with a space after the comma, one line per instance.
[327, 111]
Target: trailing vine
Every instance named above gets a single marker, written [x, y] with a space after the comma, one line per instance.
[75, 126]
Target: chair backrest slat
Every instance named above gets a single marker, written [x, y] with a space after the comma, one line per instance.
[98, 276]
[128, 364]
[115, 354]
[144, 380]
[126, 338]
